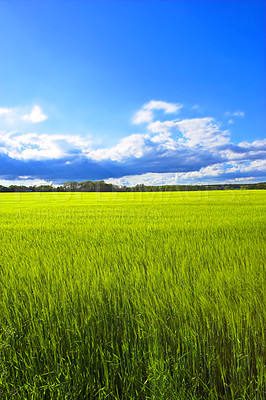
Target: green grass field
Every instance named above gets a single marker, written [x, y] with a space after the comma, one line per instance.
[132, 295]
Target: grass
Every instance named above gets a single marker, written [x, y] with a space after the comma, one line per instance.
[132, 295]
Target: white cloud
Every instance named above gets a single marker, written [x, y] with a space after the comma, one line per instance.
[162, 127]
[243, 150]
[36, 115]
[142, 116]
[239, 114]
[146, 114]
[204, 132]
[179, 141]
[165, 141]
[32, 146]
[4, 111]
[235, 113]
[212, 174]
[131, 146]
[25, 181]
[241, 180]
[257, 144]
[13, 116]
[171, 151]
[162, 105]
[257, 165]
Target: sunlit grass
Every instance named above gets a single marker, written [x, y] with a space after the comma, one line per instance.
[132, 295]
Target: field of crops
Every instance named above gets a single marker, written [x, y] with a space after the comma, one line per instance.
[133, 295]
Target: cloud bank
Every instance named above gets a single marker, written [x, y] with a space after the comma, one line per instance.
[190, 150]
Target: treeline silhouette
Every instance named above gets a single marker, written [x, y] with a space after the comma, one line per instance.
[101, 186]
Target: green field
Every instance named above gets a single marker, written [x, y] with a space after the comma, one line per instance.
[132, 295]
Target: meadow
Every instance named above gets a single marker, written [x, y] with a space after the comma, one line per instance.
[133, 295]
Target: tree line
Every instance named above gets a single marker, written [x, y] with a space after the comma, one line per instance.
[101, 186]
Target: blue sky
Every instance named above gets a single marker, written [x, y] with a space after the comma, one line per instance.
[132, 91]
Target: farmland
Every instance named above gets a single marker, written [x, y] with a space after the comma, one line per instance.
[133, 295]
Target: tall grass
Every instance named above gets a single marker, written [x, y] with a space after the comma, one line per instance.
[132, 296]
